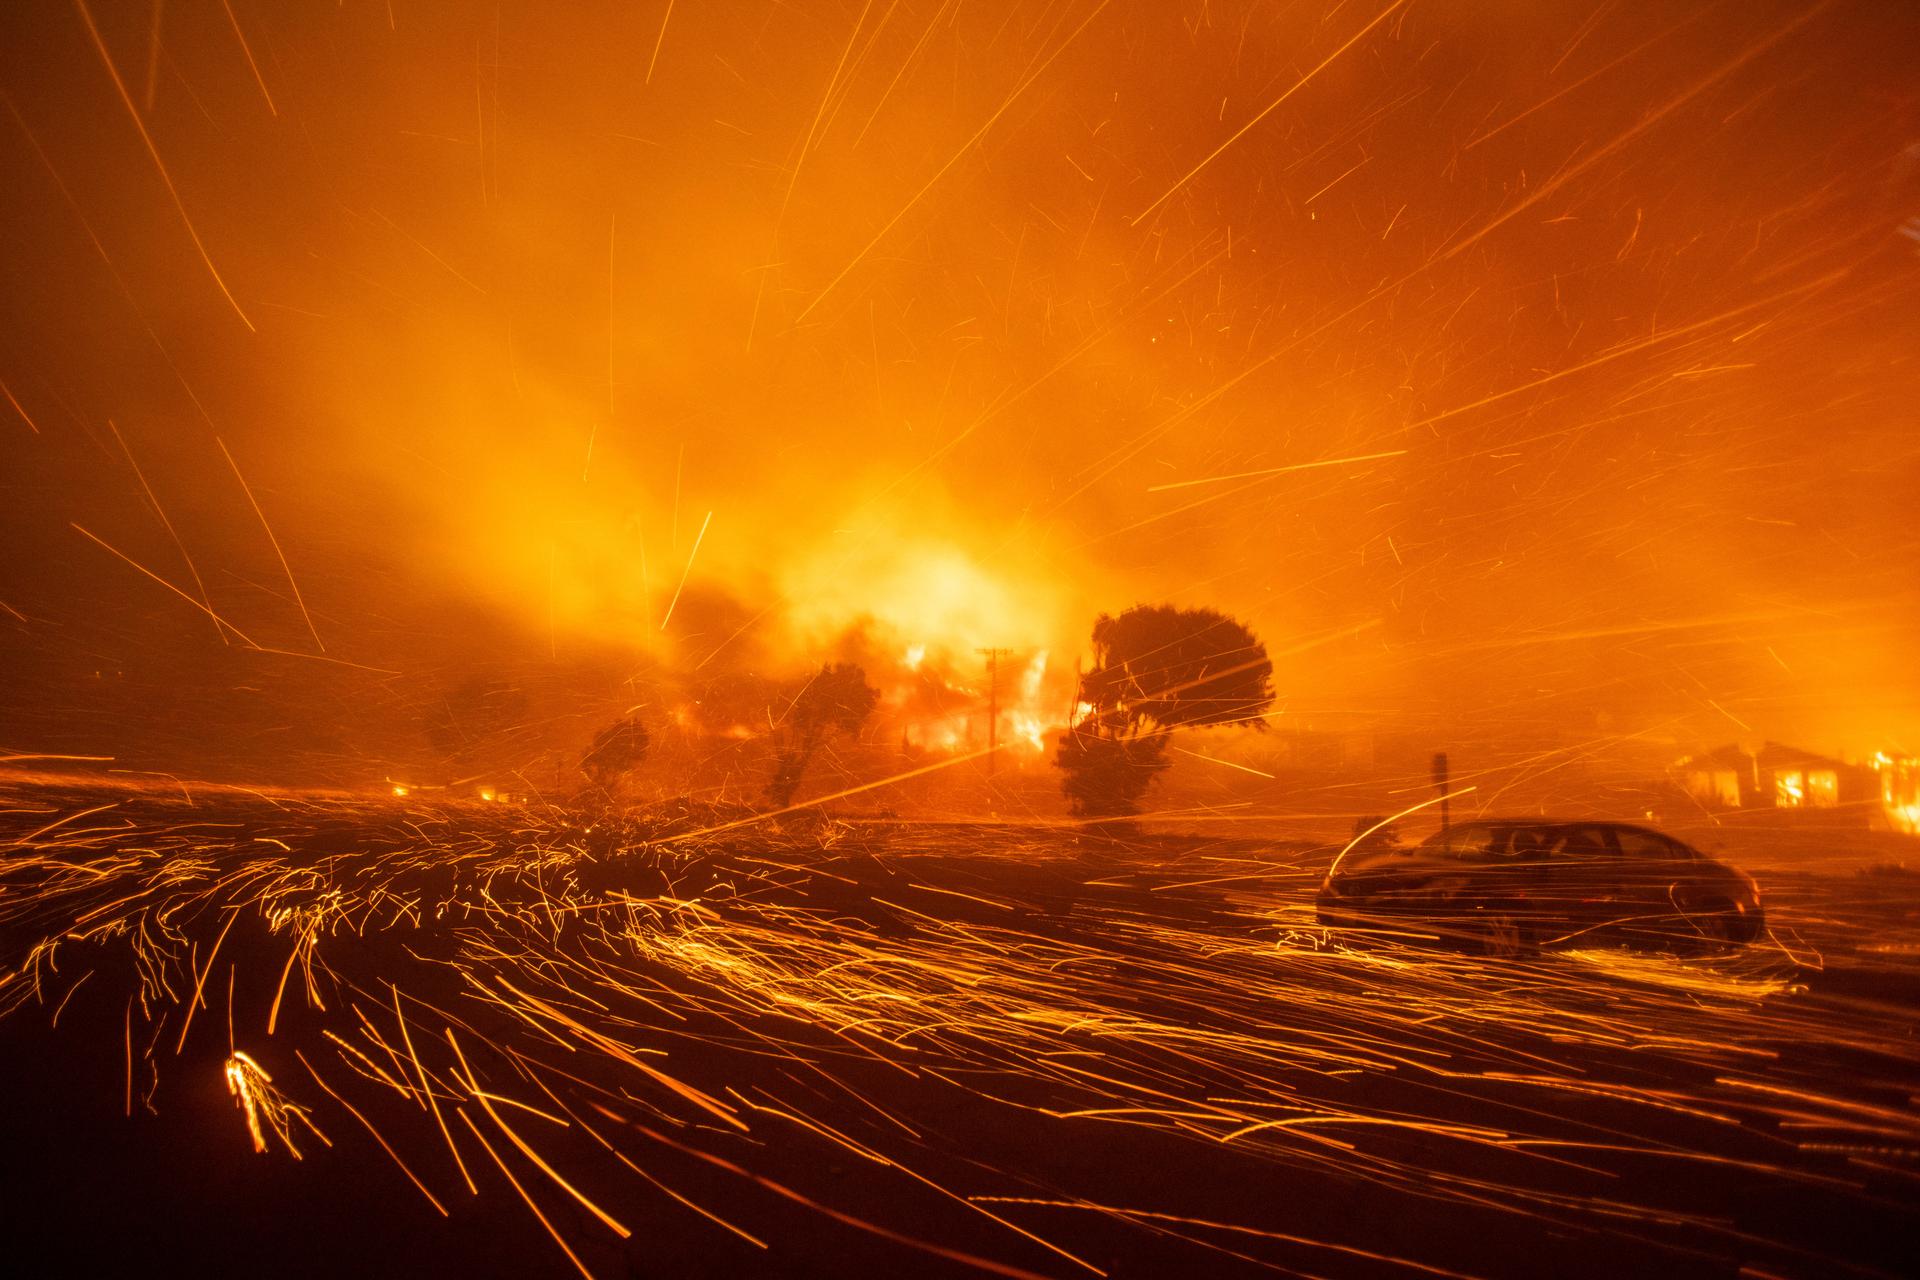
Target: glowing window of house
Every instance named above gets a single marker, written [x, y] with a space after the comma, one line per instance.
[1899, 783]
[1823, 789]
[1717, 786]
[1900, 791]
[1790, 788]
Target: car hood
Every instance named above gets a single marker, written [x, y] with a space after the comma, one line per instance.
[1375, 863]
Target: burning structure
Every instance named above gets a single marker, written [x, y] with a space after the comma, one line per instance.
[1775, 777]
[1790, 782]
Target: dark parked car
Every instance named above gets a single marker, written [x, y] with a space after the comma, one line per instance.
[1508, 887]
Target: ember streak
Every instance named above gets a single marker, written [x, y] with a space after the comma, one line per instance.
[554, 560]
[654, 1028]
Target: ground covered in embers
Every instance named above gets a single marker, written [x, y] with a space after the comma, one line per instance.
[507, 1041]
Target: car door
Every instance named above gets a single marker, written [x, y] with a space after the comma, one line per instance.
[1650, 865]
[1511, 876]
[1579, 878]
[1447, 871]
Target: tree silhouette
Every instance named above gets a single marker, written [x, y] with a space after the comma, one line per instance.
[837, 700]
[617, 750]
[1157, 668]
[1104, 776]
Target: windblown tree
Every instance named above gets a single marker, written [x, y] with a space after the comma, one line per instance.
[1156, 669]
[836, 701]
[617, 751]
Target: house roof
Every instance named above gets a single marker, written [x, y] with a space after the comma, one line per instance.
[1727, 757]
[1774, 755]
[1771, 756]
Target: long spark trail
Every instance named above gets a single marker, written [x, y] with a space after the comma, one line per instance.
[659, 40]
[1279, 471]
[1268, 110]
[1587, 79]
[162, 581]
[106, 259]
[247, 49]
[1258, 773]
[1626, 138]
[687, 570]
[1658, 339]
[160, 511]
[25, 417]
[957, 156]
[820, 113]
[863, 788]
[275, 542]
[133, 112]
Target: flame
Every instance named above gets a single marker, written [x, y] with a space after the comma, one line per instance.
[1899, 790]
[927, 596]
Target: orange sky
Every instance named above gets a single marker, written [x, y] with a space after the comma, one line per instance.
[1527, 367]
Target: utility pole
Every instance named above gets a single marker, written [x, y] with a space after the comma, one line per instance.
[993, 657]
[1440, 780]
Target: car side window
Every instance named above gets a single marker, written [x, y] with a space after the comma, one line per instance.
[1534, 842]
[1471, 841]
[1646, 845]
[1587, 842]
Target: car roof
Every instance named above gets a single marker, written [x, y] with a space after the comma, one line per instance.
[1550, 822]
[1554, 824]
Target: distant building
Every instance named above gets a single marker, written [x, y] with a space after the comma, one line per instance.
[1782, 778]
[1899, 790]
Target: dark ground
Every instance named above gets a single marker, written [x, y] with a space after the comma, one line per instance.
[912, 1027]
